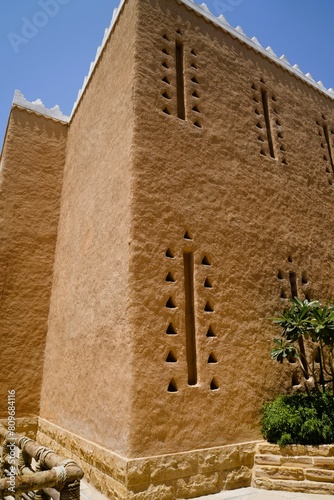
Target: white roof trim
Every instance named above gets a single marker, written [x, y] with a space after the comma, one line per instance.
[254, 43]
[39, 107]
[99, 51]
[204, 11]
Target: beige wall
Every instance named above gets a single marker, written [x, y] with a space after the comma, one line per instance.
[246, 211]
[30, 184]
[136, 179]
[88, 368]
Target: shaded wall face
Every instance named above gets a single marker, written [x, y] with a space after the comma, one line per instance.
[87, 375]
[234, 197]
[31, 179]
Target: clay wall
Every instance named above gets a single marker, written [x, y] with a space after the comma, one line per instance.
[30, 186]
[233, 185]
[88, 365]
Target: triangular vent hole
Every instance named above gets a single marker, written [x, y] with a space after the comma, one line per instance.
[165, 51]
[172, 386]
[165, 80]
[210, 332]
[169, 254]
[208, 307]
[170, 278]
[171, 358]
[165, 65]
[194, 79]
[166, 110]
[214, 384]
[195, 94]
[197, 124]
[170, 303]
[187, 236]
[195, 108]
[212, 358]
[280, 275]
[171, 330]
[207, 283]
[304, 278]
[206, 261]
[166, 95]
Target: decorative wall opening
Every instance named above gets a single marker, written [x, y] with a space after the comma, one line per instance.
[170, 278]
[170, 304]
[212, 358]
[171, 329]
[180, 74]
[214, 386]
[196, 313]
[268, 124]
[172, 387]
[326, 133]
[188, 261]
[210, 332]
[181, 113]
[171, 357]
[289, 282]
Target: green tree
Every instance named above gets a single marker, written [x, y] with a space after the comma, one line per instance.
[307, 335]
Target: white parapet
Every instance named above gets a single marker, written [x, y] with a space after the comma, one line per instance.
[39, 107]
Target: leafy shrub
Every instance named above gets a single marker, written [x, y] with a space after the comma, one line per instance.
[312, 322]
[299, 419]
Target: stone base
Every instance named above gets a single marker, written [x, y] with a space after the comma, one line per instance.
[166, 477]
[306, 469]
[27, 426]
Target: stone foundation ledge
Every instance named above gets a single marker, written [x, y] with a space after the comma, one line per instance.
[166, 477]
[24, 425]
[306, 469]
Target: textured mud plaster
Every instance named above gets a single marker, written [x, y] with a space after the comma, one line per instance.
[197, 180]
[89, 339]
[200, 186]
[246, 211]
[30, 181]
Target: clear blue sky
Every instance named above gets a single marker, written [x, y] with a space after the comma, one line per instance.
[51, 60]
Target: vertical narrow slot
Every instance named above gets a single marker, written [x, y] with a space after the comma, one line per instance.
[264, 95]
[293, 284]
[181, 113]
[329, 146]
[188, 259]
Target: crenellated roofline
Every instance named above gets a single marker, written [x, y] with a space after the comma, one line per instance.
[201, 10]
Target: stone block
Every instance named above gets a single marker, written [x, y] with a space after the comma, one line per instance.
[321, 475]
[292, 473]
[153, 492]
[294, 486]
[297, 461]
[238, 478]
[268, 459]
[324, 462]
[138, 472]
[268, 449]
[227, 457]
[170, 467]
[198, 485]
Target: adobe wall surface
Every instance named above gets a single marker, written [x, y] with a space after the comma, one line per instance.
[258, 220]
[30, 187]
[87, 373]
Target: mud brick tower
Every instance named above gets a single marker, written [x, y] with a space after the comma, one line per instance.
[145, 241]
